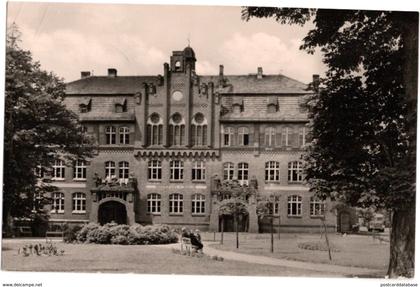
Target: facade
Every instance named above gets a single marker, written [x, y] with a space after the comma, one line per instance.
[164, 144]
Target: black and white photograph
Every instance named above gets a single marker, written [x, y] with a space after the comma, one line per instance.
[268, 141]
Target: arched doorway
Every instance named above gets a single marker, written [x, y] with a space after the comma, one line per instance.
[231, 209]
[112, 211]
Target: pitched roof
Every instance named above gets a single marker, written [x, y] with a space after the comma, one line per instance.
[234, 84]
[109, 85]
[268, 84]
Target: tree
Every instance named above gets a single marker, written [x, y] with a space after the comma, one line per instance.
[363, 118]
[38, 130]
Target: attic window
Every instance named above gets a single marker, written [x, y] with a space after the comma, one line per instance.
[272, 105]
[237, 105]
[120, 106]
[85, 106]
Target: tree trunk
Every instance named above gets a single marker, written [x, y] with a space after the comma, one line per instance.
[402, 243]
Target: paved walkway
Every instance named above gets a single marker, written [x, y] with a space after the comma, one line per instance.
[257, 259]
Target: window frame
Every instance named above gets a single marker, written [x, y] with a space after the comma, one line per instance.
[154, 203]
[57, 201]
[79, 202]
[229, 132]
[154, 170]
[243, 172]
[110, 135]
[176, 168]
[229, 170]
[123, 169]
[176, 204]
[124, 135]
[198, 204]
[295, 172]
[59, 170]
[270, 136]
[198, 171]
[110, 170]
[79, 168]
[294, 206]
[317, 207]
[243, 133]
[272, 171]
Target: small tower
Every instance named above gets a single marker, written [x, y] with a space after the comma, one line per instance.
[180, 60]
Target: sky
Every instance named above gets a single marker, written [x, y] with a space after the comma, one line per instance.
[68, 38]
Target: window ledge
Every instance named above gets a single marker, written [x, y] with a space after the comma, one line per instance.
[317, 216]
[272, 182]
[79, 179]
[176, 214]
[294, 216]
[198, 181]
[58, 212]
[296, 182]
[153, 214]
[198, 215]
[154, 180]
[58, 179]
[78, 212]
[176, 181]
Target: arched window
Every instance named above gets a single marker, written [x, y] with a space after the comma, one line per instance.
[228, 133]
[198, 204]
[272, 171]
[176, 130]
[199, 130]
[79, 202]
[123, 169]
[228, 171]
[57, 202]
[243, 136]
[176, 203]
[124, 135]
[243, 173]
[153, 203]
[317, 207]
[295, 171]
[270, 136]
[110, 133]
[155, 170]
[155, 129]
[294, 205]
[109, 169]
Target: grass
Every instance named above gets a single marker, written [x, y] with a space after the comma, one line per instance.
[353, 250]
[137, 259]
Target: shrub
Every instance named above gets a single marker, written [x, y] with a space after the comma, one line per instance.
[112, 233]
[317, 245]
[70, 233]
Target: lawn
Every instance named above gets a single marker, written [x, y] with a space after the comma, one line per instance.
[136, 259]
[354, 250]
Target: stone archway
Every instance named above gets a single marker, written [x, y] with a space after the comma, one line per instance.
[114, 211]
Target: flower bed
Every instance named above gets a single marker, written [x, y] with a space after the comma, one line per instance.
[112, 233]
[317, 245]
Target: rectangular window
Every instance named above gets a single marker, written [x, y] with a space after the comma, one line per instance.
[155, 170]
[198, 204]
[59, 170]
[111, 134]
[79, 172]
[199, 171]
[124, 135]
[272, 171]
[228, 170]
[302, 136]
[57, 202]
[285, 136]
[123, 168]
[79, 202]
[317, 207]
[294, 205]
[177, 170]
[295, 171]
[153, 203]
[176, 203]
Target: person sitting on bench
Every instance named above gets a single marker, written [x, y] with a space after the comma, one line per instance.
[196, 241]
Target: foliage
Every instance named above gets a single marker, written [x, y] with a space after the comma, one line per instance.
[39, 249]
[112, 233]
[70, 233]
[233, 205]
[38, 129]
[363, 117]
[317, 245]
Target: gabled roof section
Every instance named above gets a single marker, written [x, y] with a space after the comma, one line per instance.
[268, 84]
[105, 85]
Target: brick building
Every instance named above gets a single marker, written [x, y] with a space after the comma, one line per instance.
[166, 142]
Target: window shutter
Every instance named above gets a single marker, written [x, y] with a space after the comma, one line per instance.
[294, 137]
[235, 137]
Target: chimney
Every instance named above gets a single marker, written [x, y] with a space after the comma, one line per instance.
[315, 82]
[112, 72]
[221, 70]
[260, 73]
[84, 74]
